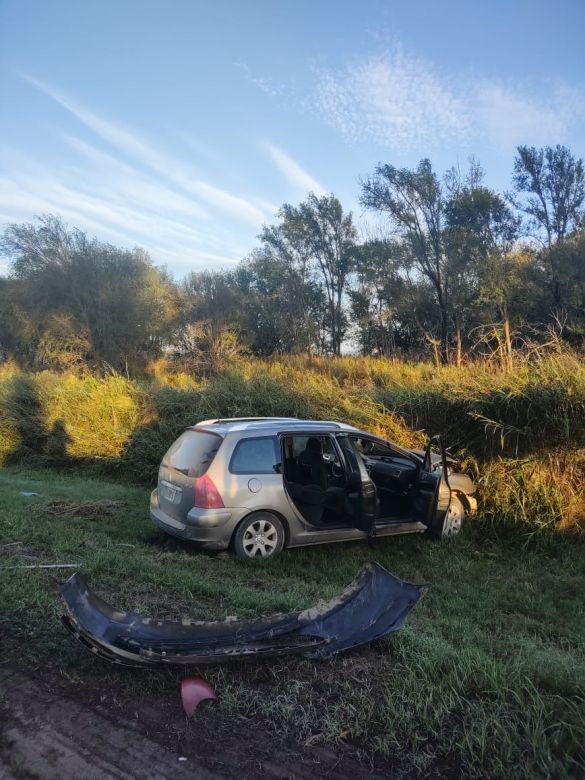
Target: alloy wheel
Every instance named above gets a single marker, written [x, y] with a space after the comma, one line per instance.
[453, 520]
[260, 539]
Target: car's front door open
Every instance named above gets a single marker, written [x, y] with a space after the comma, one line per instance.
[362, 499]
[427, 485]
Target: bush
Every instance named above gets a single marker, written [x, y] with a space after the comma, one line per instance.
[523, 431]
[51, 417]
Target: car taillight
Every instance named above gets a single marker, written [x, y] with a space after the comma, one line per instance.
[206, 494]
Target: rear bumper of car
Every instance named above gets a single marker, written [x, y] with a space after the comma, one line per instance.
[211, 529]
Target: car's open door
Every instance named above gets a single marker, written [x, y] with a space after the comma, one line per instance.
[428, 483]
[362, 498]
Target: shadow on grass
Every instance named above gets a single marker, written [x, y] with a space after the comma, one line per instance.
[36, 442]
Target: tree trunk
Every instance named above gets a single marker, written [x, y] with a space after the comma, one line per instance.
[444, 336]
[436, 358]
[459, 351]
[507, 336]
[444, 325]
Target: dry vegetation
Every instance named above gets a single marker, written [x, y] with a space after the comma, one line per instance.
[522, 432]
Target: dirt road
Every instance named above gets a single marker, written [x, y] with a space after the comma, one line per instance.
[45, 736]
[47, 733]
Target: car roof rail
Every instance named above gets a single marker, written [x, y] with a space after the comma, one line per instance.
[228, 420]
[256, 423]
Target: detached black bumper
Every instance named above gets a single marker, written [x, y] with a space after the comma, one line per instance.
[376, 604]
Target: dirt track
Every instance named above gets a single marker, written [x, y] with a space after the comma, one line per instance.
[46, 734]
[47, 737]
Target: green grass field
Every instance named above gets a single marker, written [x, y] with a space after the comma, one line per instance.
[487, 677]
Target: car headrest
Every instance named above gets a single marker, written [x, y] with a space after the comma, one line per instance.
[313, 446]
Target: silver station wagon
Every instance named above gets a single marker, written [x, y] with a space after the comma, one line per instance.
[258, 485]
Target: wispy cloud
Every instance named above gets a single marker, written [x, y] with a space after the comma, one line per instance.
[131, 144]
[271, 88]
[110, 198]
[300, 180]
[509, 114]
[402, 101]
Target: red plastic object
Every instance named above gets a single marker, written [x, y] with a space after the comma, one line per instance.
[206, 494]
[193, 691]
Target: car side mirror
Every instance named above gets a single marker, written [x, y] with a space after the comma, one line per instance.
[278, 468]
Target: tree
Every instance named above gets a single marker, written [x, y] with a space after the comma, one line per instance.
[565, 263]
[281, 273]
[414, 202]
[320, 231]
[549, 187]
[65, 282]
[553, 184]
[213, 297]
[480, 235]
[378, 297]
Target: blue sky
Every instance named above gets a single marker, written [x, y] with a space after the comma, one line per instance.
[181, 126]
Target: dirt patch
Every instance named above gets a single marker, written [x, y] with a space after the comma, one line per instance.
[47, 737]
[54, 728]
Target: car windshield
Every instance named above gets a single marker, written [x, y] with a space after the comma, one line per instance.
[372, 449]
[193, 452]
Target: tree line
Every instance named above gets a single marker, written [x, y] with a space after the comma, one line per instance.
[449, 268]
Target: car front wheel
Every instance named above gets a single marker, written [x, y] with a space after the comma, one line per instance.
[260, 535]
[451, 523]
[453, 520]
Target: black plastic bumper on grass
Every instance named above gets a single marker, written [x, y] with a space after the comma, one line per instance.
[376, 604]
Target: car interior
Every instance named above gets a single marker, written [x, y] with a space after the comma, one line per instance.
[393, 474]
[316, 481]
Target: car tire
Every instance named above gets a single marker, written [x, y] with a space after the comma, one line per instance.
[452, 522]
[260, 535]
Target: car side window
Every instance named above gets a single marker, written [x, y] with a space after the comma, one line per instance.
[255, 456]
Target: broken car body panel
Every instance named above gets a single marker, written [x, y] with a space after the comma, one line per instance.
[376, 604]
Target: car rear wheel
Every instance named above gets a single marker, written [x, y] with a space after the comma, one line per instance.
[260, 535]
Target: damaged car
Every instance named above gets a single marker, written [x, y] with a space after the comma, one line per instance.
[258, 485]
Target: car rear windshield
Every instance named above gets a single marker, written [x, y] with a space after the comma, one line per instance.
[193, 452]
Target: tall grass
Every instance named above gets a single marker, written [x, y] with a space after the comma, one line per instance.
[523, 432]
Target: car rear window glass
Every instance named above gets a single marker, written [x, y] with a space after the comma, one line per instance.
[255, 456]
[193, 452]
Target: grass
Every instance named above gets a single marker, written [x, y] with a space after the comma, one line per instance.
[487, 679]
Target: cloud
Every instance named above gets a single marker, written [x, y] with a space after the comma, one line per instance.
[394, 100]
[173, 170]
[509, 115]
[302, 181]
[403, 102]
[133, 185]
[113, 200]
